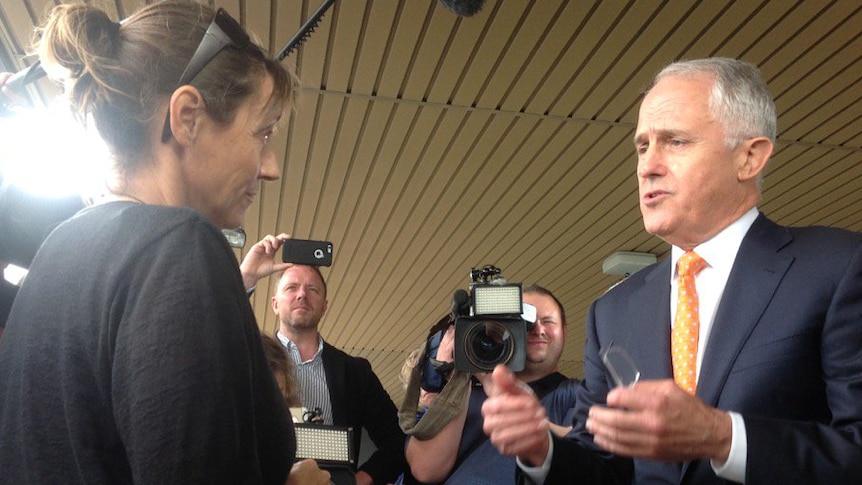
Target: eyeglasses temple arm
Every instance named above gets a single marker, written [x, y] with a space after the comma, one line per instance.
[221, 39]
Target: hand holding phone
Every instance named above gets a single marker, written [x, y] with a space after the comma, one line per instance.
[307, 252]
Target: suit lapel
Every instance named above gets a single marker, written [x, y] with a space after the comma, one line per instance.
[757, 271]
[652, 329]
[335, 382]
[652, 349]
[754, 278]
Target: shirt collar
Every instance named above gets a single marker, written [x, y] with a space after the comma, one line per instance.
[293, 349]
[720, 251]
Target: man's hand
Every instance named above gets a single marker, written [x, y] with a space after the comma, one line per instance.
[260, 261]
[363, 478]
[306, 472]
[446, 350]
[515, 420]
[659, 421]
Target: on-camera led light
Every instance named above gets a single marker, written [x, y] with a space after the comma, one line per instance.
[497, 299]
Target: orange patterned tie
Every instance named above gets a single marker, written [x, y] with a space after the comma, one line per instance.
[685, 328]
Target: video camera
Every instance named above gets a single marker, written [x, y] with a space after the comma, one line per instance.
[491, 323]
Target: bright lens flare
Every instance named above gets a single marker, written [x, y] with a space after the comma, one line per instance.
[46, 152]
[14, 274]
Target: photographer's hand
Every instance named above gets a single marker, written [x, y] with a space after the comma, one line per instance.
[306, 472]
[363, 478]
[260, 261]
[486, 379]
[446, 351]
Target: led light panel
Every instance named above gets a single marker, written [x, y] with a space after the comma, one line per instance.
[497, 299]
[331, 444]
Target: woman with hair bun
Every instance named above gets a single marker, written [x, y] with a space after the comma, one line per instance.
[131, 354]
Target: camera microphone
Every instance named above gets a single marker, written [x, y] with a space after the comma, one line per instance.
[463, 8]
[314, 416]
[460, 303]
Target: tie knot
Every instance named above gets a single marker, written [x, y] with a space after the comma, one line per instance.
[691, 263]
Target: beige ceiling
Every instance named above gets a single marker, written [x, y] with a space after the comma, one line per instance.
[425, 144]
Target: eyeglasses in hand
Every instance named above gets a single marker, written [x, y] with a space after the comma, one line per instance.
[620, 365]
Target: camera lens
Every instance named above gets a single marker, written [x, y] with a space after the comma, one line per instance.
[488, 343]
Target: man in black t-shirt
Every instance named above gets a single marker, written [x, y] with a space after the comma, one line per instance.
[461, 451]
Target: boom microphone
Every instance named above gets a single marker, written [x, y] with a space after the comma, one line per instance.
[35, 71]
[306, 30]
[464, 8]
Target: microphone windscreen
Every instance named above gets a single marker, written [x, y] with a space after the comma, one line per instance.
[464, 8]
[460, 302]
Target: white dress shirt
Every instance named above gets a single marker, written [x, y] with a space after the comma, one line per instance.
[310, 375]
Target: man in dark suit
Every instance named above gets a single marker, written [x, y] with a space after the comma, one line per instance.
[777, 361]
[344, 387]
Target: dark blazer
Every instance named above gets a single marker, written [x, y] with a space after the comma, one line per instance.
[359, 400]
[785, 351]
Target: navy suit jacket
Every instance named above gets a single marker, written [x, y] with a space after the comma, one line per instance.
[785, 351]
[360, 401]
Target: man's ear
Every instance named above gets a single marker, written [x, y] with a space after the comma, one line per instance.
[755, 155]
[187, 106]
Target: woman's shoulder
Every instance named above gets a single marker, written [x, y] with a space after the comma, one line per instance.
[142, 222]
[124, 232]
[124, 213]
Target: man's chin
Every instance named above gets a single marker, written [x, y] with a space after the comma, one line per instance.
[657, 224]
[302, 324]
[537, 359]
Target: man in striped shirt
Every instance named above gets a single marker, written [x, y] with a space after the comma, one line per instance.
[343, 387]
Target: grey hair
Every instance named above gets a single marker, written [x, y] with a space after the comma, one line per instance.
[740, 99]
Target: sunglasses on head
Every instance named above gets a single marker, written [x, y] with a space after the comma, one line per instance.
[222, 32]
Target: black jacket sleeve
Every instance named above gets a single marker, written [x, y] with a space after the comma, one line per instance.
[359, 400]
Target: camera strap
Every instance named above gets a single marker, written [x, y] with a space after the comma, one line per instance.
[448, 404]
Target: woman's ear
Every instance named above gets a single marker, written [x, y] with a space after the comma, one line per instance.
[753, 160]
[186, 107]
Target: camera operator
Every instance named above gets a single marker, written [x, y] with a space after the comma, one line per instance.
[461, 452]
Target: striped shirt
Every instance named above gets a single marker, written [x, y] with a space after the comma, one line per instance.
[310, 378]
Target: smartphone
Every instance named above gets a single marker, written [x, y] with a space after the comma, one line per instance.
[307, 252]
